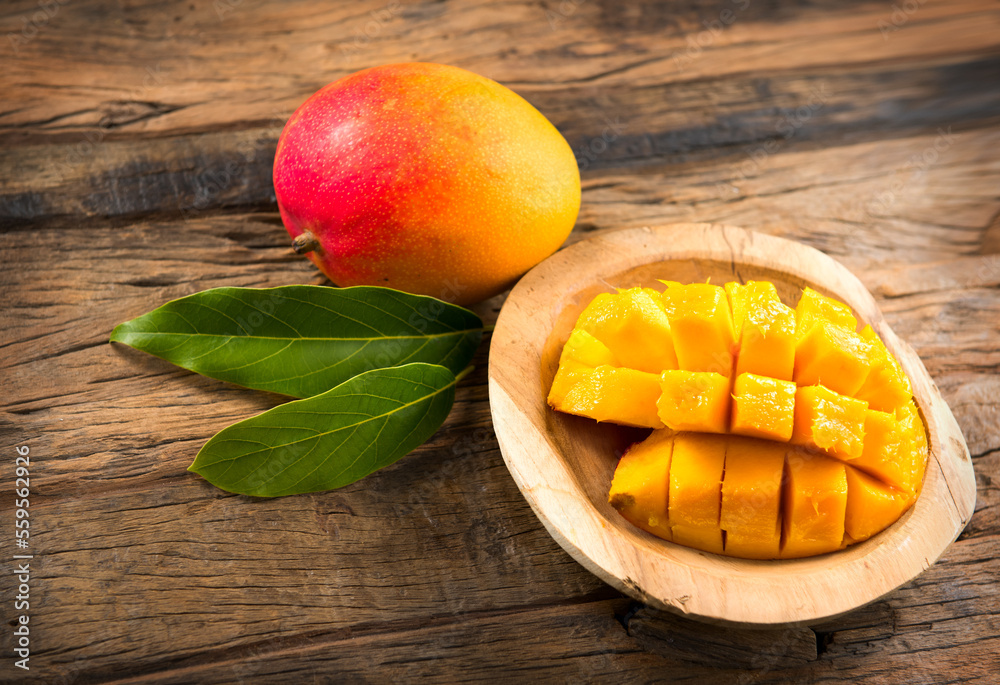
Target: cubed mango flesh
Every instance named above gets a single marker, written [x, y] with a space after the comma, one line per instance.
[641, 484]
[694, 401]
[696, 468]
[884, 451]
[755, 396]
[584, 349]
[886, 388]
[736, 293]
[762, 407]
[829, 422]
[702, 327]
[814, 505]
[916, 443]
[813, 307]
[832, 356]
[764, 329]
[872, 505]
[608, 393]
[634, 326]
[751, 498]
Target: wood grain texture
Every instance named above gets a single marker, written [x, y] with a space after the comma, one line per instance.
[135, 167]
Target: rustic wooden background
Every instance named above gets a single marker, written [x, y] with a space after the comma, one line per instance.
[136, 142]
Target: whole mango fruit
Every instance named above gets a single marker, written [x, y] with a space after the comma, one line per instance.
[425, 178]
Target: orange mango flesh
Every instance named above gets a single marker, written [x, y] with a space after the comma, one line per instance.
[871, 505]
[763, 407]
[586, 350]
[829, 422]
[764, 328]
[608, 393]
[751, 498]
[916, 438]
[814, 505]
[635, 326]
[813, 307]
[827, 413]
[833, 356]
[884, 447]
[702, 327]
[695, 497]
[694, 401]
[641, 482]
[886, 387]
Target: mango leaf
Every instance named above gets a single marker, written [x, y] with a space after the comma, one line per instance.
[301, 340]
[333, 439]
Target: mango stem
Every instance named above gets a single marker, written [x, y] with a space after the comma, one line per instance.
[305, 242]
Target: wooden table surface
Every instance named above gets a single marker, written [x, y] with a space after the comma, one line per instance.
[135, 167]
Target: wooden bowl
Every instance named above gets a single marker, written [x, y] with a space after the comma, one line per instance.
[563, 464]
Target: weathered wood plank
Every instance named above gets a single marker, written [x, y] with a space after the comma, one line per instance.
[171, 75]
[866, 204]
[920, 630]
[743, 119]
[675, 637]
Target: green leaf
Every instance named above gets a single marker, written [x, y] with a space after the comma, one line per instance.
[333, 439]
[301, 340]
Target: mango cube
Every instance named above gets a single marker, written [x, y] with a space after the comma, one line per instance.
[885, 449]
[694, 401]
[584, 349]
[751, 498]
[886, 388]
[832, 356]
[764, 328]
[915, 436]
[737, 295]
[829, 421]
[634, 326]
[872, 505]
[608, 393]
[694, 502]
[762, 407]
[642, 482]
[814, 505]
[702, 327]
[813, 307]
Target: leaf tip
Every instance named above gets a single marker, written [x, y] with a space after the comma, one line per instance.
[117, 334]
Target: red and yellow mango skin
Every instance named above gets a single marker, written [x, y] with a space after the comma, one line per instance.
[425, 178]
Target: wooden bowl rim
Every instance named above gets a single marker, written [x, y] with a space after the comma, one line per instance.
[698, 584]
